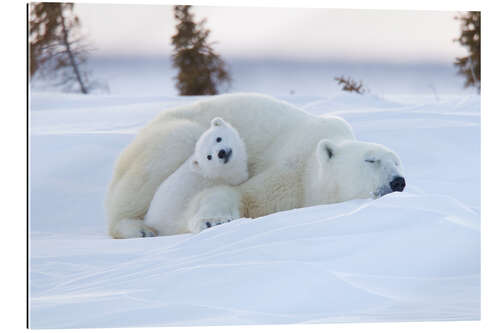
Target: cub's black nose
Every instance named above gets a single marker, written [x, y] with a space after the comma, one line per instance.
[221, 154]
[398, 184]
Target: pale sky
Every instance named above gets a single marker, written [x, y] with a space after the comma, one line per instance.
[357, 35]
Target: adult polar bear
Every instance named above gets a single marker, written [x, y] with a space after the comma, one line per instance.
[287, 158]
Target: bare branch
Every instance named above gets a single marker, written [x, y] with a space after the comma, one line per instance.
[349, 84]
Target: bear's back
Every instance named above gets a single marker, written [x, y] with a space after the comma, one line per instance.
[269, 127]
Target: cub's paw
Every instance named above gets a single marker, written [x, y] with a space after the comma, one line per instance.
[209, 223]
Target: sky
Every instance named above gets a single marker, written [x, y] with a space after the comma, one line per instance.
[292, 33]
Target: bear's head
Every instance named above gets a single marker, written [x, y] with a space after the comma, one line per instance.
[220, 153]
[353, 170]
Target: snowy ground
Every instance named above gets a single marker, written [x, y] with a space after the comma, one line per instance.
[408, 256]
[152, 76]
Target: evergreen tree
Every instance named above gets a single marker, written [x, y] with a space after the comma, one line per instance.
[201, 70]
[42, 33]
[56, 47]
[470, 37]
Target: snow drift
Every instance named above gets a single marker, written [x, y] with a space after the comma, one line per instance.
[408, 256]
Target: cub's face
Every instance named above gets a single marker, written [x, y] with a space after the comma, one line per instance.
[358, 169]
[220, 153]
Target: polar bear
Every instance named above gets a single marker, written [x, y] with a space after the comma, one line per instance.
[334, 172]
[283, 145]
[351, 170]
[219, 158]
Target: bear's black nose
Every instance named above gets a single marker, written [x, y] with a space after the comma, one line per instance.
[398, 184]
[221, 154]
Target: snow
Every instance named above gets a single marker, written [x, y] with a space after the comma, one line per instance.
[408, 256]
[152, 76]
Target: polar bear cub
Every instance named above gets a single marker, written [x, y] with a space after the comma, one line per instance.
[219, 160]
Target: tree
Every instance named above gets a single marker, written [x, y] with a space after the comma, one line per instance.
[470, 37]
[42, 26]
[201, 70]
[57, 48]
[349, 84]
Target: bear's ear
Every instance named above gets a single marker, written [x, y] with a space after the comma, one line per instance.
[218, 121]
[325, 151]
[195, 165]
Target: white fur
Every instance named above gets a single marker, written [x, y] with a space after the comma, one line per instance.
[349, 170]
[221, 137]
[214, 205]
[171, 210]
[282, 147]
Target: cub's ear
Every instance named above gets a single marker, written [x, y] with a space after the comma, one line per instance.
[325, 151]
[218, 121]
[195, 165]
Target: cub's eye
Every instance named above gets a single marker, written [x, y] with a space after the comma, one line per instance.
[209, 157]
[370, 161]
[218, 139]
